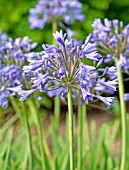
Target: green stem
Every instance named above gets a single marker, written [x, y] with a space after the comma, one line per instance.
[41, 142]
[71, 135]
[56, 111]
[80, 138]
[16, 107]
[123, 115]
[85, 135]
[33, 105]
[28, 133]
[56, 99]
[54, 29]
[85, 128]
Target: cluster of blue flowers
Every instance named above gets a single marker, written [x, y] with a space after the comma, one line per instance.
[46, 11]
[112, 39]
[13, 56]
[58, 68]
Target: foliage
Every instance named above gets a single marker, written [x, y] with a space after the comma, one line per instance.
[96, 155]
[14, 17]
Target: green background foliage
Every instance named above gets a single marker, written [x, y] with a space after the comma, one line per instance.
[14, 17]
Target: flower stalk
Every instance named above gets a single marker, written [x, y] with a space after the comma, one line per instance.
[85, 124]
[28, 134]
[83, 135]
[71, 133]
[54, 29]
[34, 107]
[39, 126]
[57, 110]
[80, 138]
[123, 115]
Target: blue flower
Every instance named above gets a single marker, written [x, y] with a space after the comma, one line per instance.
[13, 55]
[109, 84]
[108, 101]
[111, 71]
[40, 81]
[99, 27]
[4, 99]
[15, 89]
[61, 71]
[25, 93]
[122, 61]
[46, 11]
[60, 37]
[33, 66]
[112, 39]
[56, 68]
[126, 96]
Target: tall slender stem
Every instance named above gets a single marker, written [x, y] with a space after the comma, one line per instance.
[80, 138]
[123, 115]
[56, 98]
[71, 135]
[28, 134]
[85, 128]
[54, 29]
[34, 107]
[56, 111]
[83, 137]
[16, 108]
[39, 126]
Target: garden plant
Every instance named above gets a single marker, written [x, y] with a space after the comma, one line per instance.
[71, 68]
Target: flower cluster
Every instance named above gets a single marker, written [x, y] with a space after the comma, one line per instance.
[112, 38]
[45, 11]
[58, 68]
[13, 56]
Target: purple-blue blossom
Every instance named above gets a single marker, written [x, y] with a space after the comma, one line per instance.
[108, 101]
[112, 39]
[9, 78]
[13, 55]
[56, 68]
[4, 98]
[46, 11]
[111, 84]
[25, 93]
[126, 96]
[40, 81]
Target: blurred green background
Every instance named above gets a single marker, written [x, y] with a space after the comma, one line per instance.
[14, 17]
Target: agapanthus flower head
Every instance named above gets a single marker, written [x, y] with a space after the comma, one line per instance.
[15, 52]
[112, 39]
[13, 56]
[58, 68]
[46, 11]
